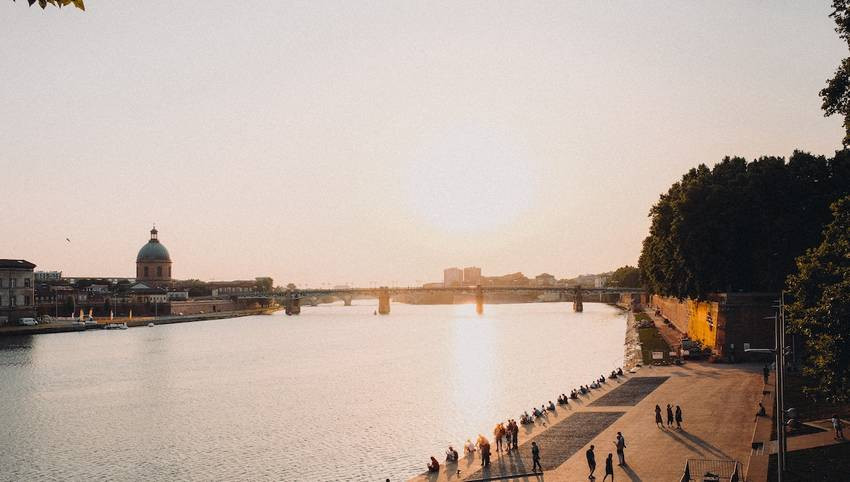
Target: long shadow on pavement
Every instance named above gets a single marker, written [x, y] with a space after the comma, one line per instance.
[634, 477]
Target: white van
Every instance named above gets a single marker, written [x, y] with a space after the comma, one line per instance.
[27, 322]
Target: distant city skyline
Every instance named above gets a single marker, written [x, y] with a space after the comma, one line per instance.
[332, 143]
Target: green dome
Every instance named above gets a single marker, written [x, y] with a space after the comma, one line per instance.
[154, 250]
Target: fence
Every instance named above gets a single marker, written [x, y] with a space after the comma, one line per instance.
[701, 470]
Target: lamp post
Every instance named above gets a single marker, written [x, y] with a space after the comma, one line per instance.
[779, 356]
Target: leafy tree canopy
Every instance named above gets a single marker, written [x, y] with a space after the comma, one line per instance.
[820, 310]
[740, 225]
[625, 277]
[836, 94]
[58, 3]
[264, 284]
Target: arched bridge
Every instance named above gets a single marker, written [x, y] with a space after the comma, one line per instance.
[291, 299]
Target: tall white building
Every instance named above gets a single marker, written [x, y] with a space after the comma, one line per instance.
[452, 277]
[472, 275]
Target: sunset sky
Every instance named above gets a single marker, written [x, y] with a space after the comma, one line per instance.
[358, 142]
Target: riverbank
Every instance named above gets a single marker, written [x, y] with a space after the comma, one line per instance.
[74, 326]
[632, 355]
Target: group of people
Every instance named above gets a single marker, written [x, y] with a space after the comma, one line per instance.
[671, 416]
[506, 434]
[585, 389]
[620, 448]
[536, 413]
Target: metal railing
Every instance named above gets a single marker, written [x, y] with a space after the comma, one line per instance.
[703, 470]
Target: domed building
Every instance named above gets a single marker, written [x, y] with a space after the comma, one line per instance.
[153, 264]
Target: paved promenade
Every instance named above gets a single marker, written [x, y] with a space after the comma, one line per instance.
[718, 404]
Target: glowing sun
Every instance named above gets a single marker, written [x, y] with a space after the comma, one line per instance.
[469, 180]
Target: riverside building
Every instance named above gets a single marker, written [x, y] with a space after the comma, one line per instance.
[17, 298]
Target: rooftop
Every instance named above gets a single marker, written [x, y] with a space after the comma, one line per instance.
[16, 264]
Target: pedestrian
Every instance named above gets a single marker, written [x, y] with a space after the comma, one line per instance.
[535, 456]
[621, 446]
[658, 421]
[484, 448]
[678, 417]
[766, 372]
[485, 454]
[498, 433]
[591, 462]
[609, 468]
[669, 416]
[516, 436]
[508, 433]
[838, 426]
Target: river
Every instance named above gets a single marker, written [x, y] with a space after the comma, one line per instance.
[333, 394]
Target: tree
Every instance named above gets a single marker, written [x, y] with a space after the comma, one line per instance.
[196, 288]
[836, 94]
[58, 3]
[264, 284]
[820, 310]
[739, 226]
[625, 277]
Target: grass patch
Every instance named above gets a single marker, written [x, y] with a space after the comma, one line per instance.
[642, 317]
[650, 341]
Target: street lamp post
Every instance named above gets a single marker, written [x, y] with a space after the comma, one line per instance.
[779, 356]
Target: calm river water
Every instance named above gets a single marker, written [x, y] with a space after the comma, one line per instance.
[333, 394]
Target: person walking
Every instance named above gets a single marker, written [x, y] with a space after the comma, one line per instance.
[838, 426]
[516, 436]
[766, 372]
[621, 449]
[498, 434]
[669, 416]
[609, 467]
[535, 456]
[591, 462]
[658, 421]
[678, 417]
[508, 433]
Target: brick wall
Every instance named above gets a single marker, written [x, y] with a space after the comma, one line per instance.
[725, 323]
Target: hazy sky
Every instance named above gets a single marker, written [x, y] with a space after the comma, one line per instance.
[332, 142]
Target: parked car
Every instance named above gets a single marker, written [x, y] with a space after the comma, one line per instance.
[27, 322]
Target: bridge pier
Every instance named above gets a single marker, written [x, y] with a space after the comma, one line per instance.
[292, 303]
[479, 300]
[384, 302]
[578, 307]
[346, 300]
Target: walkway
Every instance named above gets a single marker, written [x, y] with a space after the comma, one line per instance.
[718, 403]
